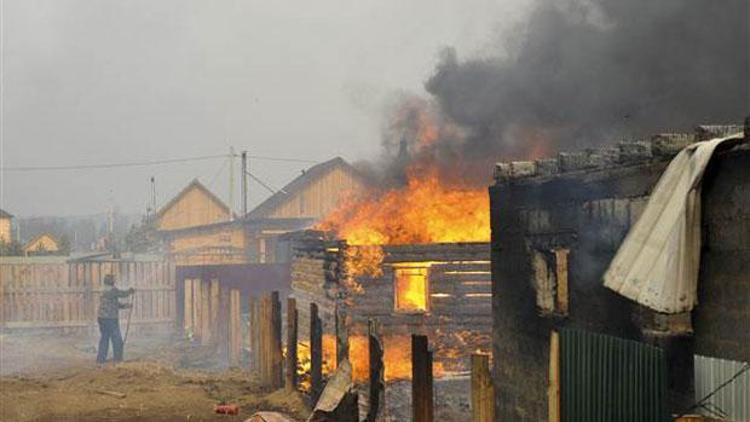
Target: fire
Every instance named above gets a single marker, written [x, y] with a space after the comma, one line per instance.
[410, 285]
[426, 210]
[396, 358]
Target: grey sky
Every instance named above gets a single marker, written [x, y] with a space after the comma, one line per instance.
[110, 81]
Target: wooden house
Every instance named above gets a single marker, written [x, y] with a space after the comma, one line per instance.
[43, 244]
[301, 203]
[199, 229]
[6, 232]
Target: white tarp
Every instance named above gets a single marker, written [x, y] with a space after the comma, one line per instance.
[657, 264]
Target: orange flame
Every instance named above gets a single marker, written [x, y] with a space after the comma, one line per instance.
[396, 358]
[423, 211]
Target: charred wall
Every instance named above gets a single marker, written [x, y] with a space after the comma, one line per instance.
[585, 203]
[458, 318]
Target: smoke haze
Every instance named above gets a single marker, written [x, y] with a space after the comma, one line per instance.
[578, 74]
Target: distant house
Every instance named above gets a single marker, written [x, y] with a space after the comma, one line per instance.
[43, 244]
[198, 228]
[194, 206]
[301, 203]
[6, 232]
[314, 193]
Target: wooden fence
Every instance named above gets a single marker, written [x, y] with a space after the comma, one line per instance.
[57, 293]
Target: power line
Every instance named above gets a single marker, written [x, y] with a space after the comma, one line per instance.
[147, 163]
[113, 165]
[262, 183]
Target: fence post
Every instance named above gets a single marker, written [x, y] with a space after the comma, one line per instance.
[188, 305]
[291, 344]
[224, 322]
[421, 380]
[482, 393]
[254, 334]
[277, 358]
[316, 352]
[214, 305]
[205, 312]
[342, 336]
[377, 376]
[553, 392]
[235, 333]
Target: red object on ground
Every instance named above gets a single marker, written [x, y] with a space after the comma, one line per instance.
[227, 409]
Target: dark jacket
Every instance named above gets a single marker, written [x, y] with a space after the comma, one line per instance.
[109, 305]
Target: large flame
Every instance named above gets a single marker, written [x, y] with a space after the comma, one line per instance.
[423, 211]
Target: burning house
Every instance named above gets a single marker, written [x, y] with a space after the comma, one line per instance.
[412, 256]
[441, 290]
[565, 345]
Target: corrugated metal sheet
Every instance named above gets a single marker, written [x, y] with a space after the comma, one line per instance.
[731, 402]
[605, 378]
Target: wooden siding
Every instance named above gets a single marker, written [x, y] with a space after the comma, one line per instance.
[224, 245]
[6, 233]
[49, 294]
[194, 207]
[320, 197]
[44, 242]
[459, 316]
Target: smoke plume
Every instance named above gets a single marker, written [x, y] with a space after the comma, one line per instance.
[579, 73]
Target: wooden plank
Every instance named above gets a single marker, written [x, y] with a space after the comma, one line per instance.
[291, 345]
[376, 372]
[421, 384]
[235, 334]
[342, 336]
[482, 392]
[205, 312]
[277, 354]
[561, 260]
[553, 393]
[316, 352]
[188, 304]
[214, 309]
[254, 333]
[197, 322]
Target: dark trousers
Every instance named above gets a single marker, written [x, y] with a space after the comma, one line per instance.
[110, 330]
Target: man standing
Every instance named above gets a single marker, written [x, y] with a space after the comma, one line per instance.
[109, 319]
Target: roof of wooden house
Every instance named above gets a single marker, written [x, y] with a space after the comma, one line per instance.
[300, 183]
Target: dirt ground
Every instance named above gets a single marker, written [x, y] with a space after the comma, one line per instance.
[46, 378]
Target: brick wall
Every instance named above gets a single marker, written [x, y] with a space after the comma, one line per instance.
[587, 206]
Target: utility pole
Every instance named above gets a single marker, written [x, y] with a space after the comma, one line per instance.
[153, 195]
[244, 183]
[232, 204]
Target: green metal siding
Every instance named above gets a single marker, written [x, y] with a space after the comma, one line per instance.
[604, 378]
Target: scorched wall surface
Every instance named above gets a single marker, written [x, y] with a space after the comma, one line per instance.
[589, 212]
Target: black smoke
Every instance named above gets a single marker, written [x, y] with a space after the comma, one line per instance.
[582, 73]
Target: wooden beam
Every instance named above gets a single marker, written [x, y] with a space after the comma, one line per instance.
[188, 306]
[342, 336]
[235, 332]
[291, 344]
[276, 352]
[377, 372]
[197, 314]
[421, 380]
[553, 392]
[561, 273]
[316, 352]
[214, 309]
[254, 331]
[482, 393]
[205, 312]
